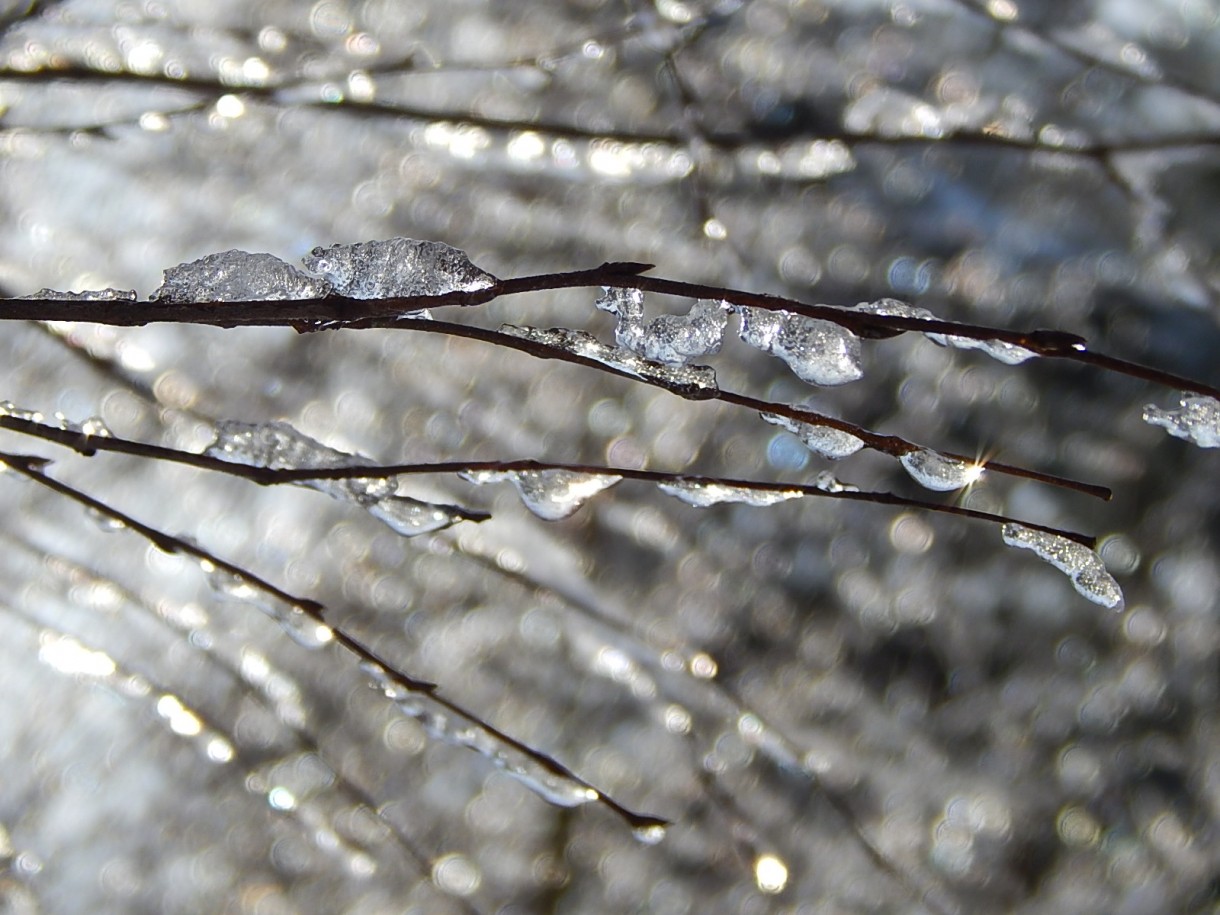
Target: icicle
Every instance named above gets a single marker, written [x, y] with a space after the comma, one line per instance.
[676, 339]
[552, 495]
[818, 352]
[1197, 421]
[1008, 353]
[932, 470]
[580, 343]
[89, 295]
[237, 276]
[279, 446]
[397, 267]
[827, 441]
[701, 494]
[1084, 567]
[456, 729]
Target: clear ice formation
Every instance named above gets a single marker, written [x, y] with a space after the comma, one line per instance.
[279, 446]
[552, 495]
[1008, 353]
[627, 306]
[237, 276]
[702, 493]
[818, 352]
[936, 471]
[444, 724]
[1197, 421]
[827, 441]
[396, 267]
[1083, 566]
[89, 295]
[302, 628]
[828, 482]
[580, 343]
[668, 339]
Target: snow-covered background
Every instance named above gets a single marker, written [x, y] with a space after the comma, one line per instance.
[842, 708]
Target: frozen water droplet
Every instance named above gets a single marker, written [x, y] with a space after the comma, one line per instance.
[397, 267]
[1197, 421]
[89, 295]
[104, 521]
[652, 834]
[818, 352]
[96, 426]
[824, 440]
[828, 482]
[303, 628]
[701, 493]
[579, 343]
[627, 305]
[237, 276]
[8, 408]
[552, 495]
[411, 517]
[676, 339]
[1083, 566]
[1008, 353]
[936, 471]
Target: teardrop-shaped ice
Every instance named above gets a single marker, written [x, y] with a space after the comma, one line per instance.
[1197, 421]
[933, 470]
[824, 440]
[677, 339]
[552, 494]
[1008, 353]
[411, 517]
[397, 267]
[237, 276]
[818, 352]
[1083, 566]
[702, 493]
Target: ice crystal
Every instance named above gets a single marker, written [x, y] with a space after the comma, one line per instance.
[818, 352]
[237, 276]
[1008, 353]
[827, 441]
[552, 494]
[396, 267]
[89, 295]
[279, 446]
[1197, 421]
[702, 493]
[933, 470]
[1083, 566]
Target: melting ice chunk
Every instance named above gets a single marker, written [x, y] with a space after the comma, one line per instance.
[1083, 566]
[1197, 421]
[279, 446]
[237, 276]
[1008, 353]
[933, 470]
[677, 339]
[397, 267]
[824, 440]
[552, 495]
[89, 295]
[818, 352]
[702, 493]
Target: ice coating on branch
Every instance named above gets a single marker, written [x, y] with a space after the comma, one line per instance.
[279, 446]
[552, 495]
[580, 343]
[828, 482]
[304, 629]
[1197, 421]
[827, 441]
[702, 493]
[89, 295]
[1083, 566]
[237, 276]
[933, 470]
[818, 352]
[1008, 353]
[627, 306]
[396, 267]
[677, 339]
[453, 728]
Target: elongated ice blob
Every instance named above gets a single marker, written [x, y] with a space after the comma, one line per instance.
[1008, 353]
[237, 276]
[701, 493]
[1197, 421]
[109, 294]
[677, 339]
[1083, 566]
[552, 495]
[396, 267]
[827, 441]
[818, 352]
[938, 472]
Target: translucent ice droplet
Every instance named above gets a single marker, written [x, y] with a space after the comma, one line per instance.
[237, 276]
[652, 834]
[1083, 566]
[933, 470]
[8, 408]
[818, 352]
[824, 440]
[701, 493]
[1197, 421]
[301, 627]
[279, 446]
[89, 295]
[552, 495]
[828, 482]
[1008, 353]
[677, 339]
[396, 267]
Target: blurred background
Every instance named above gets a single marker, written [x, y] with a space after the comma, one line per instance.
[841, 708]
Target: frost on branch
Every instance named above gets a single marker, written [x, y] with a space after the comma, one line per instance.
[818, 352]
[279, 446]
[553, 494]
[827, 441]
[938, 472]
[1008, 353]
[396, 267]
[237, 276]
[1083, 566]
[1197, 421]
